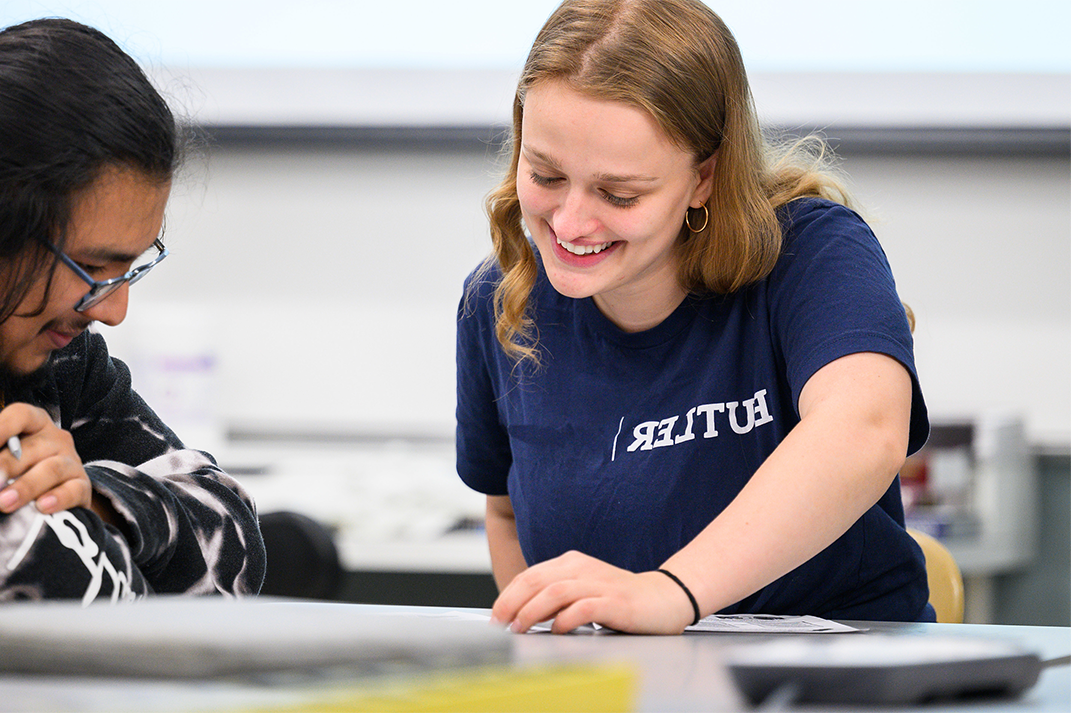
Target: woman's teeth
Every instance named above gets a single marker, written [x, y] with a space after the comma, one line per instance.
[584, 249]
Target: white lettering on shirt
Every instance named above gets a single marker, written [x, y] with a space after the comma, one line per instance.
[649, 435]
[665, 432]
[755, 406]
[708, 412]
[687, 434]
[613, 454]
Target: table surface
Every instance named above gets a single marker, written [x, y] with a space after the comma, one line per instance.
[676, 673]
[686, 673]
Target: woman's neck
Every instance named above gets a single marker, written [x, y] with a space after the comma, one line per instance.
[640, 311]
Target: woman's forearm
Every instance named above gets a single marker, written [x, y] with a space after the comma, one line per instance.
[833, 466]
[506, 558]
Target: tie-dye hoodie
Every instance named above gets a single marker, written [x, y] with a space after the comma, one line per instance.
[187, 527]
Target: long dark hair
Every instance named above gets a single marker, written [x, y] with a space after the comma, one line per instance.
[72, 104]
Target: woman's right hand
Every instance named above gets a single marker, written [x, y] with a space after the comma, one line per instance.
[575, 589]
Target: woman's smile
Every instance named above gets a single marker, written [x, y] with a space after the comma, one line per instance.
[577, 249]
[604, 193]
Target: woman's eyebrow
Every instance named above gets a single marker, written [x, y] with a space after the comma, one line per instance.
[541, 157]
[612, 178]
[602, 177]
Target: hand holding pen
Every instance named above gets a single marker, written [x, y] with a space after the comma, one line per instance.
[39, 463]
[14, 446]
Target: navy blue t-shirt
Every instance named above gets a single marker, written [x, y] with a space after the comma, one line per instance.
[625, 446]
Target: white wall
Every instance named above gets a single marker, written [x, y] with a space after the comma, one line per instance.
[981, 249]
[329, 278]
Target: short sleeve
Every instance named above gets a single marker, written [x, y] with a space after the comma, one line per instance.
[832, 294]
[482, 443]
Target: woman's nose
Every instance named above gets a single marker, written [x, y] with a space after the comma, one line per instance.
[575, 217]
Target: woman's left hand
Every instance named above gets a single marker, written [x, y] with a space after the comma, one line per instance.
[575, 589]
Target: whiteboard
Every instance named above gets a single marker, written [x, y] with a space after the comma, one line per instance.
[426, 62]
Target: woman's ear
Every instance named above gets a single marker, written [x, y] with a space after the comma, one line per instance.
[703, 189]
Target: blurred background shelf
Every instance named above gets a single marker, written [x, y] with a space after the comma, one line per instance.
[974, 486]
[406, 530]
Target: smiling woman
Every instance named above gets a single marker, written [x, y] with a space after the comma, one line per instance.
[103, 500]
[685, 381]
[602, 190]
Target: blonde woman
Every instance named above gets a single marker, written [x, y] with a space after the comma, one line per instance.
[685, 378]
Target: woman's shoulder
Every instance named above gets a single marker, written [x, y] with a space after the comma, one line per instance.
[484, 279]
[798, 214]
[818, 223]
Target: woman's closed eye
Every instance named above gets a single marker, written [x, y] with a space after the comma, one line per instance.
[620, 201]
[611, 198]
[541, 180]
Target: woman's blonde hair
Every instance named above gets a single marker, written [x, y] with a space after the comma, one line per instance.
[678, 61]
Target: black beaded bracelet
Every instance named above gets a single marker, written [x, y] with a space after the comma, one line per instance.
[691, 597]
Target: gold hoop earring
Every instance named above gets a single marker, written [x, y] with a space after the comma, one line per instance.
[688, 219]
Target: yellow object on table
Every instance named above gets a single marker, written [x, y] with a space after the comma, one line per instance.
[598, 689]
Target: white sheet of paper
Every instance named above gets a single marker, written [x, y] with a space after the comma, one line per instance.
[770, 624]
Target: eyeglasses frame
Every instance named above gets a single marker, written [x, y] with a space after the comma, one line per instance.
[100, 289]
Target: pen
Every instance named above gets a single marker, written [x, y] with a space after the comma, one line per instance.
[15, 446]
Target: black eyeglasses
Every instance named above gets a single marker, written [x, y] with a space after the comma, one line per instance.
[100, 290]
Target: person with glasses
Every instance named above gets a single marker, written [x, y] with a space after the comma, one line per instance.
[99, 500]
[98, 290]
